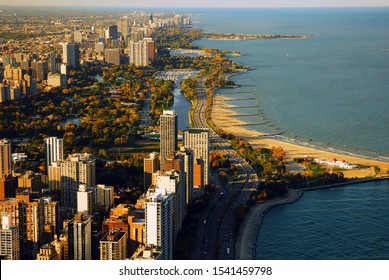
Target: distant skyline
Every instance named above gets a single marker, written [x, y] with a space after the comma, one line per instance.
[200, 3]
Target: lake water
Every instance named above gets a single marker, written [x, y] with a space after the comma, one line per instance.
[338, 223]
[331, 90]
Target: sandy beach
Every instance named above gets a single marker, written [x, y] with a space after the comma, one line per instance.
[224, 119]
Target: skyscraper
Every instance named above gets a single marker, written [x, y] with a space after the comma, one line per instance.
[86, 200]
[51, 214]
[8, 183]
[53, 62]
[71, 54]
[159, 221]
[188, 167]
[150, 48]
[174, 183]
[105, 196]
[123, 27]
[139, 53]
[9, 239]
[82, 234]
[39, 70]
[197, 139]
[54, 150]
[150, 166]
[113, 246]
[54, 176]
[168, 134]
[77, 36]
[5, 158]
[112, 56]
[34, 223]
[112, 32]
[76, 170]
[183, 162]
[47, 252]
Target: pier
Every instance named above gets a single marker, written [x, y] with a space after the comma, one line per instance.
[247, 124]
[237, 99]
[234, 92]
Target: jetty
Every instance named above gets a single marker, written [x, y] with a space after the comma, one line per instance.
[233, 36]
[237, 99]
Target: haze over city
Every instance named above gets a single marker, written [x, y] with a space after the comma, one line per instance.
[203, 3]
[168, 130]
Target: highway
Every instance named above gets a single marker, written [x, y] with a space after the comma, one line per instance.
[215, 237]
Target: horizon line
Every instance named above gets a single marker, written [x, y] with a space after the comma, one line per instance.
[164, 7]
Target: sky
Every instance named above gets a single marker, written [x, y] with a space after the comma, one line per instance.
[199, 3]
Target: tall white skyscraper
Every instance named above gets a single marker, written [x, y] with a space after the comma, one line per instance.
[54, 150]
[86, 200]
[159, 221]
[168, 134]
[174, 183]
[197, 139]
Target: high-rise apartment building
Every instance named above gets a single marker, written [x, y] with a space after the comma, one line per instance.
[39, 70]
[86, 200]
[53, 62]
[82, 237]
[16, 210]
[100, 47]
[112, 32]
[53, 150]
[8, 183]
[105, 196]
[71, 54]
[56, 80]
[5, 158]
[174, 183]
[198, 140]
[150, 48]
[34, 225]
[30, 182]
[9, 239]
[189, 171]
[77, 36]
[136, 230]
[139, 53]
[123, 27]
[112, 56]
[113, 245]
[47, 252]
[150, 166]
[159, 221]
[13, 73]
[51, 214]
[168, 134]
[54, 176]
[76, 170]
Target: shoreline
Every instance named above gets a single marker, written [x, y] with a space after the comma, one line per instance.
[245, 246]
[224, 118]
[246, 250]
